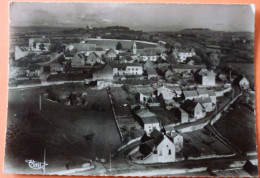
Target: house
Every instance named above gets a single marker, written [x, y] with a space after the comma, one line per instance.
[152, 74]
[169, 75]
[160, 148]
[166, 93]
[126, 59]
[147, 120]
[34, 70]
[183, 54]
[127, 69]
[203, 93]
[55, 64]
[20, 52]
[178, 141]
[106, 73]
[161, 45]
[222, 78]
[111, 54]
[93, 58]
[78, 60]
[149, 124]
[190, 61]
[208, 78]
[182, 115]
[39, 44]
[148, 65]
[194, 109]
[150, 54]
[206, 103]
[190, 94]
[144, 113]
[144, 96]
[244, 83]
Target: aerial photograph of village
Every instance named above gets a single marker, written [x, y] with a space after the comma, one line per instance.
[127, 89]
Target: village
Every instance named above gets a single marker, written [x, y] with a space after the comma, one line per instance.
[159, 93]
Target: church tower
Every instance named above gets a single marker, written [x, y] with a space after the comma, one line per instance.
[134, 48]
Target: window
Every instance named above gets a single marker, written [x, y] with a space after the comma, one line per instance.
[170, 152]
[133, 69]
[160, 154]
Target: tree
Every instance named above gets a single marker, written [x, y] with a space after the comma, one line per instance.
[34, 44]
[118, 46]
[42, 46]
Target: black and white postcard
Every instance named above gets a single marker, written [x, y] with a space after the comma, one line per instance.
[128, 89]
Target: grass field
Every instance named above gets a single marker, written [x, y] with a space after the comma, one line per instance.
[238, 126]
[201, 143]
[60, 129]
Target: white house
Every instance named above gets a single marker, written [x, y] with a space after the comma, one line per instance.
[190, 94]
[244, 83]
[208, 78]
[127, 69]
[194, 109]
[160, 148]
[183, 54]
[150, 123]
[166, 93]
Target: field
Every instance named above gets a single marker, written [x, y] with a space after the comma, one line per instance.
[238, 126]
[68, 77]
[68, 133]
[201, 143]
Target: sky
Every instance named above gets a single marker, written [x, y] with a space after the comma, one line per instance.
[145, 16]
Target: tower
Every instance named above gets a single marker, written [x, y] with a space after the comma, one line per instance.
[134, 48]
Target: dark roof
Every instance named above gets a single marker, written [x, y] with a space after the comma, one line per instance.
[123, 65]
[151, 72]
[111, 51]
[150, 120]
[147, 147]
[187, 66]
[157, 137]
[128, 58]
[189, 106]
[141, 45]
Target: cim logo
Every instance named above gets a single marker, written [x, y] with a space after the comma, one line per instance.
[35, 165]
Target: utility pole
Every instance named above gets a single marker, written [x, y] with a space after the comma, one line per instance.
[110, 162]
[40, 102]
[44, 161]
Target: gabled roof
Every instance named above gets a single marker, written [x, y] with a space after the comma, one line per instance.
[150, 120]
[203, 100]
[157, 137]
[111, 51]
[187, 66]
[128, 58]
[151, 72]
[144, 113]
[124, 65]
[190, 93]
[202, 91]
[189, 106]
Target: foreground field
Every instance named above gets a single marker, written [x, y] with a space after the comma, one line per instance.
[238, 126]
[68, 133]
